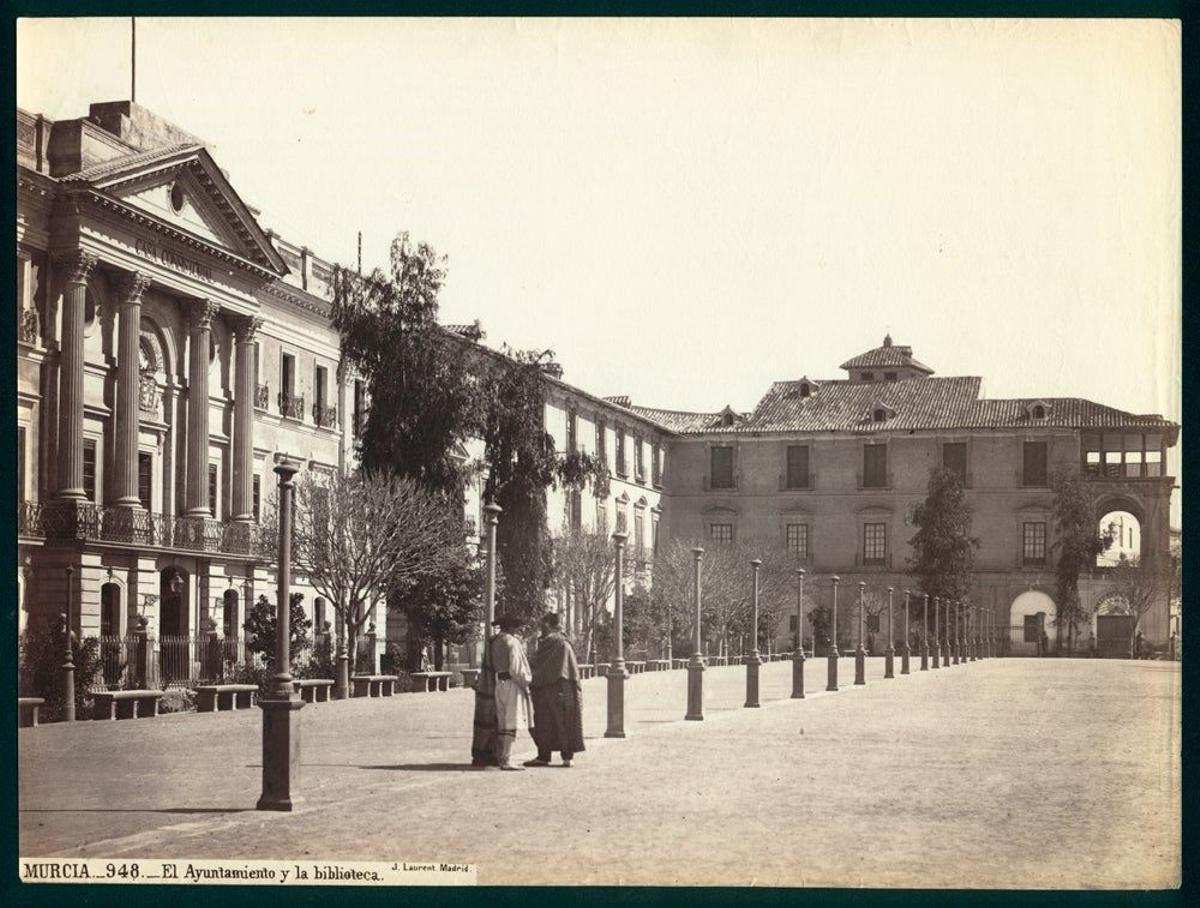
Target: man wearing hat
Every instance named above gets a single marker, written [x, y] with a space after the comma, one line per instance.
[506, 655]
[557, 697]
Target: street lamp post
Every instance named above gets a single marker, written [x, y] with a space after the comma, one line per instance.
[491, 516]
[616, 670]
[960, 655]
[798, 655]
[889, 658]
[937, 631]
[695, 704]
[973, 630]
[860, 654]
[925, 634]
[904, 652]
[833, 650]
[754, 660]
[281, 708]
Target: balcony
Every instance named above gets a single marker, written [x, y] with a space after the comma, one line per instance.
[291, 405]
[262, 397]
[144, 529]
[325, 417]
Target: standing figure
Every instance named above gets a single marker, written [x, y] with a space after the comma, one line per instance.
[557, 697]
[501, 697]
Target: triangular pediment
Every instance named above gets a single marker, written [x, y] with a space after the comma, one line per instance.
[183, 187]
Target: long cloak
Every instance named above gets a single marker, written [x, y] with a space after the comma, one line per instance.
[557, 697]
[483, 739]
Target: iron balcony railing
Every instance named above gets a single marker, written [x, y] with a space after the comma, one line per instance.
[291, 405]
[262, 397]
[133, 526]
[325, 417]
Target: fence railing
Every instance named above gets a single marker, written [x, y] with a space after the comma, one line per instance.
[134, 526]
[169, 661]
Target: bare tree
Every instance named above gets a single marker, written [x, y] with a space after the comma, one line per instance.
[358, 536]
[583, 562]
[1136, 589]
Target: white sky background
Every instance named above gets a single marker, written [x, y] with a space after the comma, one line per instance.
[686, 211]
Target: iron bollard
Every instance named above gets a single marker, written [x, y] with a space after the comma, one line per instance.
[832, 681]
[860, 654]
[798, 655]
[889, 658]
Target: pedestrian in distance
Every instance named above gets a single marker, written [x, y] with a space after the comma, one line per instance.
[557, 697]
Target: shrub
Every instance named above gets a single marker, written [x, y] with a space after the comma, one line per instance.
[177, 700]
[250, 673]
[393, 660]
[40, 659]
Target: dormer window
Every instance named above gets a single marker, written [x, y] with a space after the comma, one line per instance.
[1038, 409]
[880, 415]
[881, 412]
[868, 376]
[889, 376]
[805, 389]
[1039, 412]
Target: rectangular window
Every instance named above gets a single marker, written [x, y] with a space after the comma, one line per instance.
[873, 623]
[874, 466]
[1031, 628]
[1090, 443]
[89, 469]
[621, 471]
[639, 467]
[656, 465]
[20, 463]
[572, 427]
[257, 497]
[654, 533]
[868, 376]
[145, 479]
[721, 467]
[601, 517]
[287, 374]
[213, 490]
[639, 536]
[874, 543]
[320, 377]
[1033, 543]
[721, 532]
[797, 539]
[622, 526]
[954, 457]
[1112, 455]
[575, 503]
[797, 466]
[319, 616]
[889, 376]
[601, 447]
[1034, 472]
[1154, 463]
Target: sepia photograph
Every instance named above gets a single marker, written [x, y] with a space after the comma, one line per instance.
[624, 452]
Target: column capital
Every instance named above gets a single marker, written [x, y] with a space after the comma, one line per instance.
[202, 312]
[130, 285]
[247, 327]
[77, 265]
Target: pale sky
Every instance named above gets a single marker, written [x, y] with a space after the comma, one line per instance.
[688, 210]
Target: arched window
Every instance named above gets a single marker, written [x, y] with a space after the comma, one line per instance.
[1125, 531]
[805, 390]
[1039, 412]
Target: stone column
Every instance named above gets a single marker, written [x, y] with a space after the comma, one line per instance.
[130, 287]
[196, 493]
[77, 266]
[243, 421]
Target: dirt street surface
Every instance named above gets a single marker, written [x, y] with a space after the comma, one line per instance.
[960, 777]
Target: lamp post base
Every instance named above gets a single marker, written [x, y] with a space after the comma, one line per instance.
[753, 661]
[904, 656]
[889, 663]
[860, 666]
[832, 680]
[616, 700]
[937, 656]
[280, 755]
[695, 703]
[798, 675]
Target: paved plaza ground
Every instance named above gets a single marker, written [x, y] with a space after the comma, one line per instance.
[997, 774]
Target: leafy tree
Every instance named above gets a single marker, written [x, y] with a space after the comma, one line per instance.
[424, 397]
[943, 547]
[260, 627]
[442, 605]
[1136, 589]
[1077, 544]
[360, 536]
[583, 561]
[40, 657]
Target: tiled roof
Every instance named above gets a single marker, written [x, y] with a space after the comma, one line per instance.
[471, 331]
[888, 355]
[918, 403]
[125, 162]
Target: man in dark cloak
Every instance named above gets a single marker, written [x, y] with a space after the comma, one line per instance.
[557, 697]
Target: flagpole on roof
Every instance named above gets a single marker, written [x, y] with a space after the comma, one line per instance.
[133, 59]
[360, 253]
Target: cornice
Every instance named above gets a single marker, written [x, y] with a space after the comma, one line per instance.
[306, 301]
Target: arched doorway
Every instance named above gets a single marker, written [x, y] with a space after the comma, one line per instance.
[1031, 624]
[174, 643]
[1125, 530]
[1114, 628]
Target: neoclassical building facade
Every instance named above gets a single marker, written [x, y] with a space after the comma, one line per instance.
[171, 351]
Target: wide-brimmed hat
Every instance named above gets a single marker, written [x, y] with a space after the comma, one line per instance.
[506, 621]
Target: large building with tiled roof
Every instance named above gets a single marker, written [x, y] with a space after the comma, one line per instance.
[134, 250]
[832, 469]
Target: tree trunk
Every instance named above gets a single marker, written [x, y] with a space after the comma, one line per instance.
[438, 654]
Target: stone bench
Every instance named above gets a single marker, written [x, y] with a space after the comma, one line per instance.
[679, 663]
[27, 711]
[470, 676]
[658, 665]
[587, 670]
[636, 667]
[374, 685]
[602, 669]
[216, 697]
[314, 690]
[433, 681]
[126, 704]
